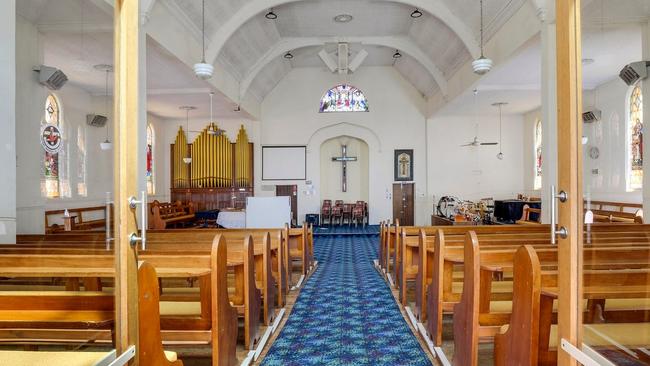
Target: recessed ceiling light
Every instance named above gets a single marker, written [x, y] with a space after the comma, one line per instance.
[416, 13]
[588, 61]
[288, 55]
[103, 67]
[271, 15]
[343, 18]
[397, 54]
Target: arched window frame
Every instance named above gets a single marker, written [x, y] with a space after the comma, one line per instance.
[537, 155]
[347, 98]
[51, 185]
[150, 160]
[634, 112]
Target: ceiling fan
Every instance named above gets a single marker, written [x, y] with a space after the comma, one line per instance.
[476, 142]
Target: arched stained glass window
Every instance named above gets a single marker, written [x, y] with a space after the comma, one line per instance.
[343, 98]
[150, 160]
[51, 133]
[538, 155]
[635, 126]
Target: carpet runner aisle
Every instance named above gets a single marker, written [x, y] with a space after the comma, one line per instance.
[345, 314]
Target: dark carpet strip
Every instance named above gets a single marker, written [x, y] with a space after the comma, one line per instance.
[346, 314]
[346, 230]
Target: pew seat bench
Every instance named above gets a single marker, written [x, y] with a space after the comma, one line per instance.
[47, 358]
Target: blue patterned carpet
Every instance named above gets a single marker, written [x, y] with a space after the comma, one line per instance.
[345, 314]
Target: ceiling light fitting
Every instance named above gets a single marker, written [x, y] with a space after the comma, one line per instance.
[203, 70]
[271, 15]
[107, 144]
[416, 13]
[288, 55]
[397, 55]
[343, 18]
[482, 65]
[187, 109]
[500, 105]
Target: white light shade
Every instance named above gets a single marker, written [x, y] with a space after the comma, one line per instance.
[187, 160]
[106, 145]
[203, 71]
[585, 140]
[482, 65]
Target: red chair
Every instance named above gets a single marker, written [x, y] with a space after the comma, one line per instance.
[337, 214]
[347, 214]
[326, 212]
[358, 214]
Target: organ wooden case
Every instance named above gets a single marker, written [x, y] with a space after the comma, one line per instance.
[212, 172]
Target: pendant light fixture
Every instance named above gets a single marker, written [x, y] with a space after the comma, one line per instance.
[500, 106]
[203, 70]
[212, 130]
[416, 13]
[397, 55]
[288, 55]
[271, 15]
[187, 109]
[482, 65]
[107, 144]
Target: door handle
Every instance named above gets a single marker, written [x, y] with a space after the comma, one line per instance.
[133, 202]
[562, 231]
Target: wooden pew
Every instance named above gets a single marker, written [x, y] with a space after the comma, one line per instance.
[472, 322]
[223, 338]
[84, 310]
[163, 214]
[150, 340]
[440, 261]
[80, 223]
[300, 243]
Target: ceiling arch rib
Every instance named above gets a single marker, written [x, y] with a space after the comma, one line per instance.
[436, 8]
[404, 44]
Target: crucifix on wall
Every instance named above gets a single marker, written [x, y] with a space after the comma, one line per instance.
[343, 159]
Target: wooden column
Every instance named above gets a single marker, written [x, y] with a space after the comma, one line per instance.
[569, 108]
[126, 99]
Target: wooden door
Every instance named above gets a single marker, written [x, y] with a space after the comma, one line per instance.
[291, 191]
[403, 206]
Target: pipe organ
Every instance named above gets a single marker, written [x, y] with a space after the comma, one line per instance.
[220, 173]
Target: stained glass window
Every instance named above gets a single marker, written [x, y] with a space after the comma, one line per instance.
[635, 176]
[343, 98]
[52, 184]
[82, 189]
[150, 143]
[538, 155]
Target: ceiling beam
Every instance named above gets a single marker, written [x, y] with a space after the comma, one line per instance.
[404, 44]
[436, 8]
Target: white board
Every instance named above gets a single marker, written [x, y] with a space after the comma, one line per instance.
[268, 212]
[284, 163]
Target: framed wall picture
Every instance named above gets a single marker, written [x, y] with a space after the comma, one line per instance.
[403, 165]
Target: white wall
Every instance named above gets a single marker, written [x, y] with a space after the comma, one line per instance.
[8, 121]
[331, 171]
[610, 136]
[395, 121]
[472, 173]
[528, 153]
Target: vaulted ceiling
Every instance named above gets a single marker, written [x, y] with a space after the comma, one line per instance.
[241, 40]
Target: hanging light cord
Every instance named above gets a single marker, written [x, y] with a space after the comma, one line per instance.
[500, 129]
[106, 101]
[203, 29]
[211, 94]
[481, 28]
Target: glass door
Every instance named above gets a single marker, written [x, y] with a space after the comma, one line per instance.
[604, 304]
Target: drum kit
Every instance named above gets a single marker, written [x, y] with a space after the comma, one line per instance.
[455, 209]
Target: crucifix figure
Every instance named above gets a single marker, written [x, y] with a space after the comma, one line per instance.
[343, 159]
